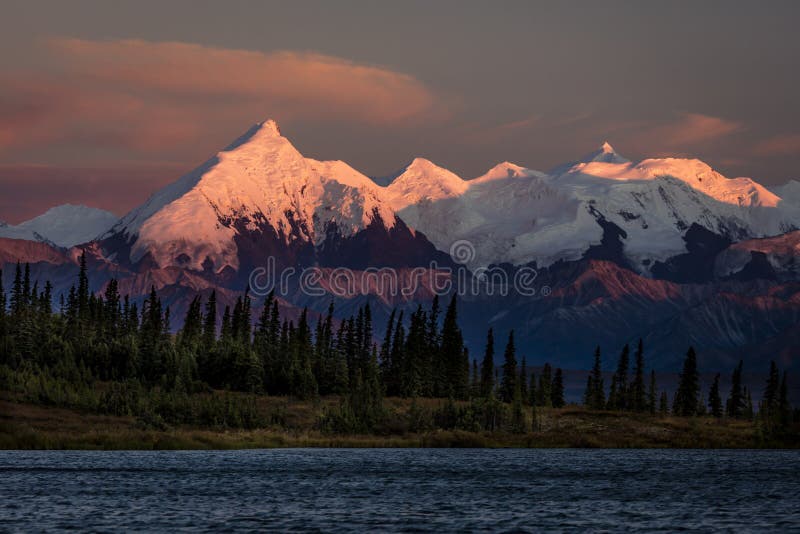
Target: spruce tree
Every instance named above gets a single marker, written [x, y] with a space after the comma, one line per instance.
[326, 360]
[26, 285]
[226, 328]
[557, 393]
[544, 391]
[111, 308]
[417, 365]
[190, 335]
[784, 408]
[597, 397]
[367, 343]
[619, 399]
[46, 300]
[372, 402]
[688, 387]
[304, 382]
[735, 406]
[509, 381]
[385, 355]
[83, 288]
[210, 323]
[714, 398]
[638, 401]
[452, 352]
[275, 370]
[518, 423]
[434, 363]
[243, 332]
[523, 381]
[17, 294]
[263, 345]
[151, 337]
[769, 403]
[651, 394]
[487, 366]
[395, 378]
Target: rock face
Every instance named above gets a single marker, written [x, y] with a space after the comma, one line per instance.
[664, 249]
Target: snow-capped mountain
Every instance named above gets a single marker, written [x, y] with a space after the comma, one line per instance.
[423, 181]
[664, 249]
[604, 154]
[505, 214]
[510, 214]
[257, 183]
[655, 201]
[517, 215]
[63, 226]
[260, 193]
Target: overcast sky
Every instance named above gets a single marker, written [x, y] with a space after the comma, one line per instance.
[103, 102]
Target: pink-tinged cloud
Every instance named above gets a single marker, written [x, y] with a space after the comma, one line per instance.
[302, 83]
[158, 96]
[780, 145]
[694, 128]
[683, 136]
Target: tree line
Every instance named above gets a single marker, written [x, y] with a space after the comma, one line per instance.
[628, 392]
[107, 337]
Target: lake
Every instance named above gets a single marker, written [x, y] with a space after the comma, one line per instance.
[401, 489]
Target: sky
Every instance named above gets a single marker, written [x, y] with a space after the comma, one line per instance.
[102, 103]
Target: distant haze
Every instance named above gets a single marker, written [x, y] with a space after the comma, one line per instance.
[101, 102]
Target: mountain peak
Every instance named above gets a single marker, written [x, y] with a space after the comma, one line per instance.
[421, 163]
[605, 154]
[260, 185]
[416, 168]
[425, 169]
[269, 127]
[423, 179]
[266, 130]
[506, 169]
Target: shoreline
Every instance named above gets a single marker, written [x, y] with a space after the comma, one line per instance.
[25, 426]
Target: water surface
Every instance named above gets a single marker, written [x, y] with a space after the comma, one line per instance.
[401, 489]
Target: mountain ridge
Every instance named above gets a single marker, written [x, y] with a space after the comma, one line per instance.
[647, 249]
[64, 226]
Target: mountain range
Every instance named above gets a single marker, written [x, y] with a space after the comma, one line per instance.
[667, 250]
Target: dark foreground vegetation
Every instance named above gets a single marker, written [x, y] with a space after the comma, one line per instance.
[293, 423]
[100, 373]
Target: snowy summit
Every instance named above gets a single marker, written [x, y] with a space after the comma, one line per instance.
[63, 226]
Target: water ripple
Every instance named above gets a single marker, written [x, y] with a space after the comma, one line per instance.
[401, 490]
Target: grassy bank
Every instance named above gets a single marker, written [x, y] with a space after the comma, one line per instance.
[30, 426]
